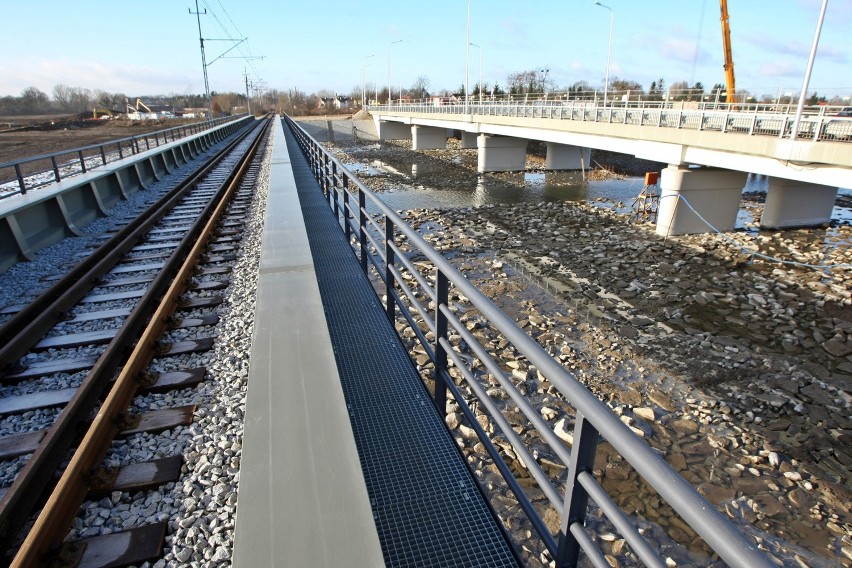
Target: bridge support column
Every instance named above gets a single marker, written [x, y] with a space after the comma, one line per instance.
[428, 138]
[389, 130]
[792, 203]
[468, 140]
[501, 153]
[713, 194]
[564, 157]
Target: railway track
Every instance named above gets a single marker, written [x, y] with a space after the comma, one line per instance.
[74, 358]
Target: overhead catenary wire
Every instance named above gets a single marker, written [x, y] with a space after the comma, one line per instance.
[247, 56]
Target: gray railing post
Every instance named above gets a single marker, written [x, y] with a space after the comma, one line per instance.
[120, 155]
[55, 168]
[333, 190]
[20, 177]
[324, 170]
[576, 498]
[390, 305]
[103, 155]
[362, 227]
[347, 230]
[441, 299]
[82, 161]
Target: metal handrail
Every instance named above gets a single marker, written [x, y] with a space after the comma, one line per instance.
[593, 418]
[123, 146]
[753, 119]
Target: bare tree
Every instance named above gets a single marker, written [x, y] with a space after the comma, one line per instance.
[80, 100]
[420, 87]
[679, 91]
[62, 97]
[524, 82]
[33, 101]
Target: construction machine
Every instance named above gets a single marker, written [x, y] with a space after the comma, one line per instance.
[730, 83]
[136, 108]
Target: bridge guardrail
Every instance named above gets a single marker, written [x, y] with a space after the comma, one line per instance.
[378, 242]
[88, 157]
[754, 121]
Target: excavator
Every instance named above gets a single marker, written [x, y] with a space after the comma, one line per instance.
[138, 104]
[730, 83]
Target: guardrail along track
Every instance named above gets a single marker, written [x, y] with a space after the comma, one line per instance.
[116, 304]
[53, 167]
[426, 297]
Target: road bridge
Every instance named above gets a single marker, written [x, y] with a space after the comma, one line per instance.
[709, 151]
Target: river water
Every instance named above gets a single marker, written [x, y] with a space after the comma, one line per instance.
[530, 187]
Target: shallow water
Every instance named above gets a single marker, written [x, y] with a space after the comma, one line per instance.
[531, 187]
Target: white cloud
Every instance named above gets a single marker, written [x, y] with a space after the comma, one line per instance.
[16, 75]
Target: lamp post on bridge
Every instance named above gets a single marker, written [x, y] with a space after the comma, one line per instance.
[389, 70]
[363, 80]
[544, 73]
[467, 65]
[800, 107]
[480, 70]
[609, 51]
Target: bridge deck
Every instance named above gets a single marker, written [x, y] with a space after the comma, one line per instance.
[302, 500]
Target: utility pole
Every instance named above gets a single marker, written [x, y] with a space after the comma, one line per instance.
[248, 100]
[203, 60]
[204, 63]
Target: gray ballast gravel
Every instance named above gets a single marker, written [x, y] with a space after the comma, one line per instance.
[201, 507]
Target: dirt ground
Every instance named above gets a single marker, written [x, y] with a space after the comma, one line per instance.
[25, 136]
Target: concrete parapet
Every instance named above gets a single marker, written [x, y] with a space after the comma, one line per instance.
[428, 138]
[44, 216]
[501, 153]
[698, 200]
[791, 203]
[564, 157]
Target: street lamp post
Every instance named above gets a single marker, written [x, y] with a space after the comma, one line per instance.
[800, 107]
[544, 73]
[363, 80]
[480, 70]
[389, 69]
[467, 65]
[609, 51]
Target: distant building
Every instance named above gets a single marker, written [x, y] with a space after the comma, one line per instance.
[336, 102]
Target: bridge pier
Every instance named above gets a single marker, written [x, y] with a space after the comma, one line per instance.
[468, 140]
[390, 130]
[792, 203]
[713, 194]
[428, 138]
[565, 157]
[501, 153]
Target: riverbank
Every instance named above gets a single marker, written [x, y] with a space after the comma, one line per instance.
[736, 367]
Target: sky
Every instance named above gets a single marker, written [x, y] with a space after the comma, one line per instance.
[152, 47]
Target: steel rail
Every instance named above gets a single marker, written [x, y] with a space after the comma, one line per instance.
[52, 524]
[29, 486]
[593, 416]
[29, 325]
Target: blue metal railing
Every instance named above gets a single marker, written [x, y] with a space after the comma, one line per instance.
[380, 246]
[75, 161]
[765, 120]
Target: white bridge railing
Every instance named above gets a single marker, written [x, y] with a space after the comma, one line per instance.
[820, 124]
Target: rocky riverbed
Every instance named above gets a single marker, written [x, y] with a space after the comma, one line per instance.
[736, 367]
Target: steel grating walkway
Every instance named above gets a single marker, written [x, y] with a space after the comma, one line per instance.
[426, 505]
